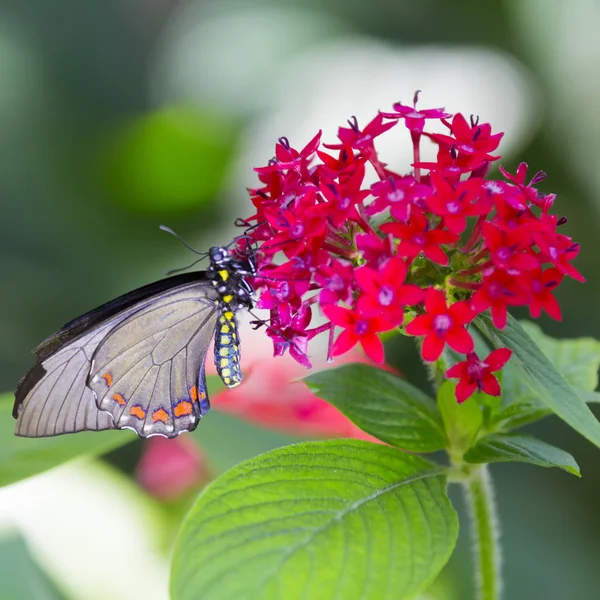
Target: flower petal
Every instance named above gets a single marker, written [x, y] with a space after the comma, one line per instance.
[433, 347]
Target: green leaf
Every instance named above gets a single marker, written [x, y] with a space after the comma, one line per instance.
[577, 359]
[23, 457]
[462, 421]
[546, 382]
[382, 404]
[508, 447]
[522, 413]
[339, 519]
[589, 397]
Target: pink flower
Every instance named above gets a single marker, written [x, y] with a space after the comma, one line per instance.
[418, 236]
[272, 396]
[323, 233]
[384, 291]
[358, 328]
[442, 325]
[476, 374]
[170, 468]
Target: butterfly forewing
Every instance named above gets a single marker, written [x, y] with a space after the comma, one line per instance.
[148, 373]
[161, 331]
[60, 401]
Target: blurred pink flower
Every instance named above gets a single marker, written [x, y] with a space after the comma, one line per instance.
[171, 467]
[272, 396]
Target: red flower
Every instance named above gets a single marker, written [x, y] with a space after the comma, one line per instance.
[498, 290]
[511, 249]
[442, 324]
[477, 375]
[416, 237]
[316, 210]
[415, 119]
[384, 291]
[341, 200]
[374, 249]
[542, 283]
[353, 137]
[560, 250]
[357, 328]
[398, 194]
[337, 280]
[472, 140]
[455, 204]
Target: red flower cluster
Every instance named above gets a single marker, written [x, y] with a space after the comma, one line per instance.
[440, 244]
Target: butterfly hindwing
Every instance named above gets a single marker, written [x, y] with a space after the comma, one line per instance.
[148, 373]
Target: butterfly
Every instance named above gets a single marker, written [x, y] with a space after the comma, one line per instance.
[137, 362]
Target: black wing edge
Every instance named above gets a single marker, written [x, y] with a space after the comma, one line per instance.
[73, 329]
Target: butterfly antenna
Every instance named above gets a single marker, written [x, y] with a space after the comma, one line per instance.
[173, 271]
[169, 230]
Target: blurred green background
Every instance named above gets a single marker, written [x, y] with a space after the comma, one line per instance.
[120, 115]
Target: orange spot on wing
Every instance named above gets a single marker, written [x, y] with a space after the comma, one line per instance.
[194, 394]
[118, 398]
[108, 378]
[160, 415]
[137, 411]
[182, 409]
[202, 395]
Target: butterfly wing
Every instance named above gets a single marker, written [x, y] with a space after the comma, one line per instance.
[54, 397]
[148, 372]
[59, 400]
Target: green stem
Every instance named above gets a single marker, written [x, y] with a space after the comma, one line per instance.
[486, 546]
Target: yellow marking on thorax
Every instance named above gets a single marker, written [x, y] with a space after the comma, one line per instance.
[227, 298]
[224, 275]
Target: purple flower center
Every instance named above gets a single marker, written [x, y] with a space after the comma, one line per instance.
[503, 253]
[441, 325]
[361, 327]
[385, 296]
[297, 230]
[419, 240]
[282, 292]
[336, 283]
[453, 207]
[344, 203]
[475, 369]
[396, 196]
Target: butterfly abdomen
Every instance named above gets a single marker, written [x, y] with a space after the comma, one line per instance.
[227, 349]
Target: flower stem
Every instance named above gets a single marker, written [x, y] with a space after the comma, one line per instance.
[479, 494]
